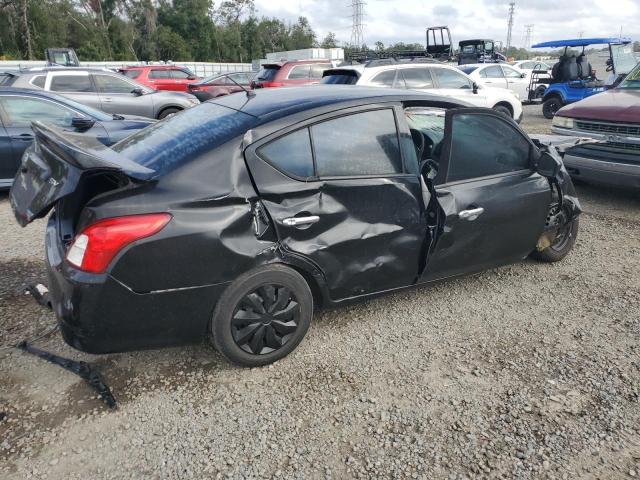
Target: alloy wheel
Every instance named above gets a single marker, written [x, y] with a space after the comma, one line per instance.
[265, 319]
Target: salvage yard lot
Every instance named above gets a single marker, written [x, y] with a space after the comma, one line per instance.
[527, 371]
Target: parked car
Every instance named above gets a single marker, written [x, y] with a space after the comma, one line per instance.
[499, 76]
[162, 77]
[290, 74]
[104, 90]
[434, 78]
[528, 66]
[20, 107]
[235, 219]
[613, 119]
[221, 84]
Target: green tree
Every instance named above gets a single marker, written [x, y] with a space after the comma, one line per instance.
[329, 41]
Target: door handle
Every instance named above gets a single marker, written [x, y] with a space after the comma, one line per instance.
[107, 100]
[297, 221]
[472, 214]
[23, 136]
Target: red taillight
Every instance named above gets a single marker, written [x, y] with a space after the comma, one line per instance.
[272, 84]
[194, 88]
[95, 247]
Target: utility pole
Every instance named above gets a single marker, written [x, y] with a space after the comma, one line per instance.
[580, 34]
[528, 35]
[357, 29]
[512, 9]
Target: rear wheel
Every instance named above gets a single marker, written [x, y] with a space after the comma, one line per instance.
[262, 316]
[562, 244]
[167, 112]
[551, 106]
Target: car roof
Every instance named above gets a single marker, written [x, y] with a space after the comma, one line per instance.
[41, 70]
[157, 67]
[271, 103]
[583, 42]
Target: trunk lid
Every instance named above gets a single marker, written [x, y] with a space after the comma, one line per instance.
[54, 165]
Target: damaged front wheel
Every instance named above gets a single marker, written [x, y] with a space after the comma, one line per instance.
[560, 244]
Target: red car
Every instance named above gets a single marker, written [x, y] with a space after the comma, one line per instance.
[162, 77]
[221, 84]
[289, 74]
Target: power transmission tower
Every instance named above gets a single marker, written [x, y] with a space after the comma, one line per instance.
[580, 34]
[512, 9]
[357, 29]
[528, 35]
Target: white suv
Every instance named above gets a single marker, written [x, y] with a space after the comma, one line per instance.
[433, 78]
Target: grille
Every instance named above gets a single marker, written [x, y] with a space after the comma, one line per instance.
[615, 128]
[624, 146]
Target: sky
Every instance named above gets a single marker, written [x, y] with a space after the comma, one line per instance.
[393, 21]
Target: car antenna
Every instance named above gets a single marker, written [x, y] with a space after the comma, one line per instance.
[250, 93]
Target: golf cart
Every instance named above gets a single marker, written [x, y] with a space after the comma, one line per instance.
[439, 45]
[478, 51]
[572, 77]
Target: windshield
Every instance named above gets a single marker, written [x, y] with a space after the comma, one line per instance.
[624, 58]
[267, 73]
[633, 80]
[180, 138]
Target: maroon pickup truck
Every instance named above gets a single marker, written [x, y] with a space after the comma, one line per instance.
[612, 118]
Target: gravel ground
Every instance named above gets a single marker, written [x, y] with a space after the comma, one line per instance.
[527, 371]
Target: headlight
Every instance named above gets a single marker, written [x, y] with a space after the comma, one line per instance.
[563, 122]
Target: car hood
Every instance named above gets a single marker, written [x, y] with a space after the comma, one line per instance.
[616, 105]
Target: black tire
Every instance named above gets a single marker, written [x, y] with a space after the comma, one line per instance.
[550, 106]
[561, 246]
[504, 110]
[168, 111]
[539, 92]
[262, 309]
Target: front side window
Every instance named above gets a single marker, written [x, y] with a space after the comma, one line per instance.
[112, 84]
[511, 73]
[160, 74]
[180, 74]
[299, 72]
[241, 78]
[483, 145]
[384, 79]
[357, 144]
[492, 72]
[448, 78]
[22, 111]
[290, 153]
[417, 78]
[71, 83]
[318, 69]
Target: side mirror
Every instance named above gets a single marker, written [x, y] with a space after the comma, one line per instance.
[192, 77]
[82, 123]
[523, 75]
[137, 91]
[548, 165]
[475, 87]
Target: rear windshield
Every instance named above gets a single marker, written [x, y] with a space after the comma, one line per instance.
[180, 138]
[6, 79]
[468, 70]
[131, 73]
[267, 73]
[340, 78]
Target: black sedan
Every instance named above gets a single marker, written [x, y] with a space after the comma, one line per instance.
[20, 107]
[235, 219]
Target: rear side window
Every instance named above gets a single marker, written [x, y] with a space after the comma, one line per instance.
[358, 144]
[167, 144]
[71, 83]
[299, 72]
[384, 79]
[483, 145]
[131, 73]
[290, 153]
[159, 74]
[38, 81]
[416, 78]
[451, 79]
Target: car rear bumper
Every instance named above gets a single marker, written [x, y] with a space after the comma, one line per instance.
[602, 171]
[99, 314]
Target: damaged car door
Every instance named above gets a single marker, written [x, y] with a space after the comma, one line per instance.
[340, 196]
[493, 202]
